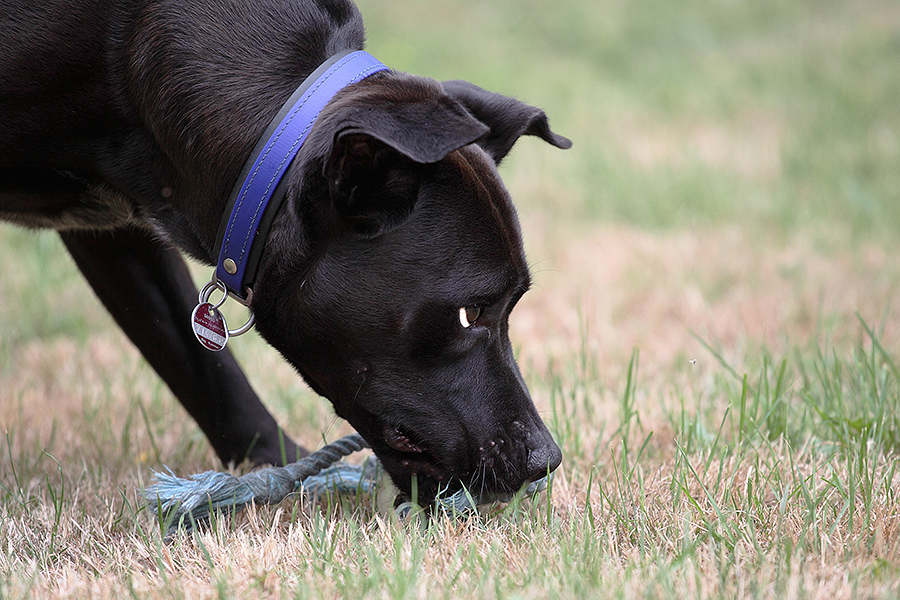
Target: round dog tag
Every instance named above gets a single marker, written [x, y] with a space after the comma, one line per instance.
[209, 326]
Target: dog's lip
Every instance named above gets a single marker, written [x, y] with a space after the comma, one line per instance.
[423, 467]
[399, 439]
[411, 454]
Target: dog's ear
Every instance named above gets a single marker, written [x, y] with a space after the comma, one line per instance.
[507, 118]
[367, 167]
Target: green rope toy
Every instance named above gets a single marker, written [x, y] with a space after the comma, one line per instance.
[182, 503]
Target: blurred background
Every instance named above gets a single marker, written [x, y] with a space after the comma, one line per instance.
[735, 173]
[735, 179]
[777, 114]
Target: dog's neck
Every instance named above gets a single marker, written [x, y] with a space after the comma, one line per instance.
[193, 122]
[259, 191]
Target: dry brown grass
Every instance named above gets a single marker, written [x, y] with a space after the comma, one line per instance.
[625, 288]
[689, 519]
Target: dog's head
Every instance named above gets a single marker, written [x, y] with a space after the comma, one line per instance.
[390, 275]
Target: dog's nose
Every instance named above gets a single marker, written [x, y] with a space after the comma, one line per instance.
[543, 460]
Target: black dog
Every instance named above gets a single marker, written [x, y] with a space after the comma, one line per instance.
[389, 272]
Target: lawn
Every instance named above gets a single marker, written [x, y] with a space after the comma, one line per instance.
[713, 336]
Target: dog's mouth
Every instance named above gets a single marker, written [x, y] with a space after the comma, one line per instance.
[413, 455]
[440, 463]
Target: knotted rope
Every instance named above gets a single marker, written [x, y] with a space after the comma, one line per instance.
[182, 503]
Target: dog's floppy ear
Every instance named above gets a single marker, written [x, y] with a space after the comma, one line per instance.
[507, 118]
[364, 168]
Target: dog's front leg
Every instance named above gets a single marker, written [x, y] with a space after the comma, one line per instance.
[148, 290]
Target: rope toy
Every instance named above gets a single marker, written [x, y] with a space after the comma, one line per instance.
[183, 503]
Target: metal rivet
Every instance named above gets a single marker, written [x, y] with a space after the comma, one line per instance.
[230, 266]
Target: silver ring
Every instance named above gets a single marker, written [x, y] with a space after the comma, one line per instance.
[243, 328]
[208, 291]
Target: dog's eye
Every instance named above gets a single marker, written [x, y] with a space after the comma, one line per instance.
[468, 315]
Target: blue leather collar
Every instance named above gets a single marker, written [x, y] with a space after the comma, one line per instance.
[260, 190]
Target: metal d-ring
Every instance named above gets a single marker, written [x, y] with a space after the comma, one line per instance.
[207, 292]
[243, 328]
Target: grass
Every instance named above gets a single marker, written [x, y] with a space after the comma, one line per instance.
[781, 482]
[713, 336]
